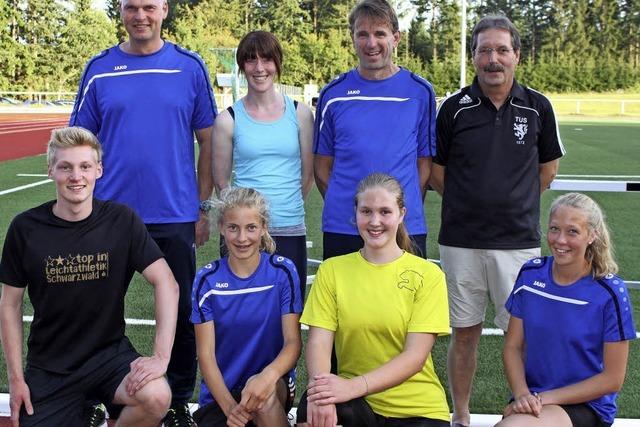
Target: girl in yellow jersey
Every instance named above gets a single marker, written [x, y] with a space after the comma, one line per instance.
[383, 307]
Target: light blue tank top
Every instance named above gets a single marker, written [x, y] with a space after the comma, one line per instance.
[266, 157]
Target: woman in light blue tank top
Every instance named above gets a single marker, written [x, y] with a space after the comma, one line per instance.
[265, 138]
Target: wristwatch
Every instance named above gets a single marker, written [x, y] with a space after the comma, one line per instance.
[206, 206]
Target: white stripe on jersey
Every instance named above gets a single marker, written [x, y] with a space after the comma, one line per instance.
[551, 296]
[124, 73]
[466, 108]
[233, 292]
[359, 98]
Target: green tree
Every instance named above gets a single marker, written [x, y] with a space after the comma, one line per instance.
[87, 31]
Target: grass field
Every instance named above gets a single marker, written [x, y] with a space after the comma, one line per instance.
[593, 148]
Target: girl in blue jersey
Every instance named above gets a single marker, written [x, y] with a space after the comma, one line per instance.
[383, 307]
[245, 309]
[266, 137]
[566, 348]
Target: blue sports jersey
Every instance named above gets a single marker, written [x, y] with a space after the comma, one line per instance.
[374, 126]
[144, 110]
[565, 327]
[247, 314]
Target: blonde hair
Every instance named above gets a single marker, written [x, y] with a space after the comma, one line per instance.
[235, 197]
[72, 137]
[600, 253]
[389, 183]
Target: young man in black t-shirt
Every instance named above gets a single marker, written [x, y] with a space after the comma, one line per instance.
[76, 256]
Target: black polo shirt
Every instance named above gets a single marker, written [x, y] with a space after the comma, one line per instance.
[491, 194]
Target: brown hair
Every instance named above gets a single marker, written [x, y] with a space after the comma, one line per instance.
[599, 253]
[72, 137]
[234, 197]
[375, 10]
[495, 21]
[389, 183]
[262, 44]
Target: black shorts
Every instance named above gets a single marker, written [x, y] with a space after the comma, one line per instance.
[335, 244]
[212, 415]
[59, 399]
[582, 415]
[358, 413]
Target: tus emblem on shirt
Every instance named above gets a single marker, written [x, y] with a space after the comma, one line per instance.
[520, 129]
[76, 268]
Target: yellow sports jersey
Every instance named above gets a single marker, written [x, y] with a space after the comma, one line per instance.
[371, 308]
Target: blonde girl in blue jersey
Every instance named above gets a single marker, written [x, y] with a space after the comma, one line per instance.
[265, 138]
[383, 307]
[566, 349]
[246, 309]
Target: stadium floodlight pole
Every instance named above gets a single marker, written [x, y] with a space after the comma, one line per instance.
[463, 45]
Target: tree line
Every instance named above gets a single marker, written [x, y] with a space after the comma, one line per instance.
[567, 45]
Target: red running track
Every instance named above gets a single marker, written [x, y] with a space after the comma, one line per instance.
[25, 135]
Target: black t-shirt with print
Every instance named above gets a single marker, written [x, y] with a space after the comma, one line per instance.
[76, 274]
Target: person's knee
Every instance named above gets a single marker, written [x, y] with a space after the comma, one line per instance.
[467, 338]
[271, 405]
[155, 398]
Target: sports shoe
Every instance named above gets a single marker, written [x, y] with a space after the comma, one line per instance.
[95, 415]
[179, 416]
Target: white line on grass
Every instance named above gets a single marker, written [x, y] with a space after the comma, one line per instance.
[145, 322]
[31, 174]
[24, 187]
[600, 176]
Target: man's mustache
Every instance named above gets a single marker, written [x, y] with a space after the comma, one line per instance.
[493, 67]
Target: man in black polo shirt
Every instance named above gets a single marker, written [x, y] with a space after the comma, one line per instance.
[498, 149]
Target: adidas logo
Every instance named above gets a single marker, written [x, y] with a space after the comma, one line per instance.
[465, 100]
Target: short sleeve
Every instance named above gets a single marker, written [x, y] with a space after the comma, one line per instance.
[11, 268]
[427, 126]
[549, 144]
[324, 135]
[618, 314]
[431, 307]
[289, 283]
[205, 110]
[143, 249]
[201, 306]
[444, 132]
[85, 110]
[321, 309]
[514, 302]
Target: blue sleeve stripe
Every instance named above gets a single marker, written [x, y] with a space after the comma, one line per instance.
[83, 82]
[201, 283]
[290, 280]
[203, 68]
[612, 294]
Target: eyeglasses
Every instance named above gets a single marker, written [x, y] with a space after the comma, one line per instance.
[487, 51]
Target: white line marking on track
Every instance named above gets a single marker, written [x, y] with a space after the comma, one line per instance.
[24, 187]
[31, 129]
